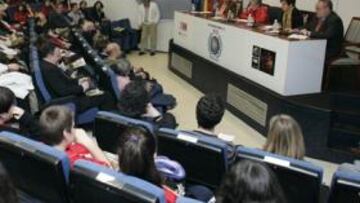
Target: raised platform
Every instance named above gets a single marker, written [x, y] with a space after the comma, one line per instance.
[329, 120]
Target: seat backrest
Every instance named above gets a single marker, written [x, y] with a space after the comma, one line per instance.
[186, 200]
[353, 31]
[36, 169]
[345, 187]
[92, 183]
[114, 84]
[38, 77]
[204, 158]
[109, 126]
[300, 180]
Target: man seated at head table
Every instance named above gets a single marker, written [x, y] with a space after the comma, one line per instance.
[257, 10]
[328, 25]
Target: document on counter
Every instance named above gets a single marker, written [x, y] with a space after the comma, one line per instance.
[298, 36]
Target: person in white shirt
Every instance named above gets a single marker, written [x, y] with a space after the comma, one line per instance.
[149, 17]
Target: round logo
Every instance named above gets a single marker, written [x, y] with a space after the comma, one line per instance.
[215, 45]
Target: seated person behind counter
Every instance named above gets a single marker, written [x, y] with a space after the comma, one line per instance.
[326, 25]
[257, 10]
[291, 17]
[228, 7]
[62, 85]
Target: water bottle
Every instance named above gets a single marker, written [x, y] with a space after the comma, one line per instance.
[276, 25]
[193, 7]
[250, 20]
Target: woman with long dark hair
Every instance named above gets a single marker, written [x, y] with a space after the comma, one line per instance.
[249, 181]
[136, 152]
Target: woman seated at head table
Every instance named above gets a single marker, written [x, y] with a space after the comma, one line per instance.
[257, 10]
[291, 17]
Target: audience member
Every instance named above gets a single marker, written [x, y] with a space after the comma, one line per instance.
[57, 129]
[209, 112]
[22, 13]
[84, 9]
[61, 85]
[326, 24]
[135, 102]
[75, 14]
[57, 18]
[285, 137]
[249, 181]
[137, 152]
[149, 17]
[15, 119]
[8, 192]
[47, 7]
[97, 12]
[291, 17]
[257, 10]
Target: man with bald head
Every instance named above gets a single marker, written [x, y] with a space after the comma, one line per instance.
[326, 24]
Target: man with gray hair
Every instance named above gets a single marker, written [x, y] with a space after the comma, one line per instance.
[326, 24]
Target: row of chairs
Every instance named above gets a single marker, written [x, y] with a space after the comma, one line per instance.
[43, 173]
[44, 96]
[207, 159]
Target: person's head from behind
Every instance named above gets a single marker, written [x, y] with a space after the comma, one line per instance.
[250, 182]
[287, 4]
[7, 189]
[48, 51]
[285, 137]
[122, 69]
[134, 99]
[209, 111]
[136, 153]
[7, 100]
[324, 8]
[57, 126]
[113, 50]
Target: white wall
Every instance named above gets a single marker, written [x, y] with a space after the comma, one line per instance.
[348, 9]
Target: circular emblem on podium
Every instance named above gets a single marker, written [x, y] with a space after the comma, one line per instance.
[215, 45]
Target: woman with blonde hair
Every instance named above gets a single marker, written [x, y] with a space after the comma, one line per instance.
[285, 137]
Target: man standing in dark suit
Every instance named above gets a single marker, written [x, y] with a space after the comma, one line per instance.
[327, 25]
[60, 84]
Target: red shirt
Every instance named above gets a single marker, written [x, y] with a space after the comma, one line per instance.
[170, 195]
[260, 14]
[77, 151]
[21, 17]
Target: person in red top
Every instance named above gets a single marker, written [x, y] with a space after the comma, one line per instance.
[258, 10]
[22, 14]
[57, 129]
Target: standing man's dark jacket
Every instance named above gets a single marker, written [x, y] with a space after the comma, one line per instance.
[331, 29]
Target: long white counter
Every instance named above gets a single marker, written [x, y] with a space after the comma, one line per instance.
[287, 67]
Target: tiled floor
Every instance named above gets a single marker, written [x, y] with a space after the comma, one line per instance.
[187, 97]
